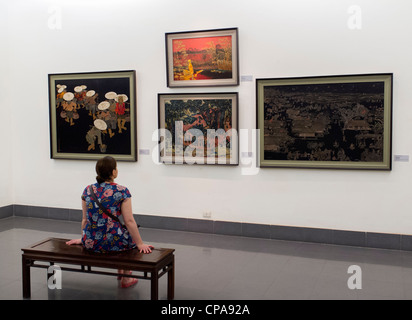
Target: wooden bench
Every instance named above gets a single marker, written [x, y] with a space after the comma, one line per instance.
[56, 251]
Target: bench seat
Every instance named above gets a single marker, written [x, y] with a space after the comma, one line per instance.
[55, 251]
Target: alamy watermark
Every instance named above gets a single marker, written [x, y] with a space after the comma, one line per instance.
[55, 20]
[355, 19]
[355, 280]
[54, 279]
[215, 146]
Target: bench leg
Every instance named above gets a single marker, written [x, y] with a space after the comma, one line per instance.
[155, 285]
[171, 281]
[26, 277]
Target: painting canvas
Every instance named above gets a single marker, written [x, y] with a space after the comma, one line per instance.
[325, 122]
[93, 115]
[198, 128]
[202, 58]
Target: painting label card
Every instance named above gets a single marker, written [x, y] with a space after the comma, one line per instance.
[246, 78]
[144, 152]
[401, 158]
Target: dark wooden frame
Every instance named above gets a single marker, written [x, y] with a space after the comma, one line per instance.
[386, 164]
[55, 251]
[198, 95]
[234, 81]
[131, 74]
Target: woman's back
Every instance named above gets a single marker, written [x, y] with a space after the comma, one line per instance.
[102, 233]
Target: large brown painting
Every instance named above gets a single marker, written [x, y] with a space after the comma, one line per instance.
[326, 122]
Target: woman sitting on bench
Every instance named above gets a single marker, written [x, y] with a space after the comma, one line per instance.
[103, 232]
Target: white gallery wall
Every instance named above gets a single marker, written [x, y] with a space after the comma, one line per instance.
[6, 184]
[276, 39]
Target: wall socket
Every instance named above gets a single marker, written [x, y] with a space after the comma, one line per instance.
[207, 214]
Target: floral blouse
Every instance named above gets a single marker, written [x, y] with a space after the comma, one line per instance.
[101, 233]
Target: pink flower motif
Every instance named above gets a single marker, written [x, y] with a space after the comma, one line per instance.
[110, 224]
[88, 190]
[89, 243]
[108, 193]
[120, 188]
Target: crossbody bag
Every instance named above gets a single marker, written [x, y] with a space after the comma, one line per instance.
[94, 197]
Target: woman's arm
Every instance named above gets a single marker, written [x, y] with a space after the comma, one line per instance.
[84, 221]
[132, 226]
[84, 214]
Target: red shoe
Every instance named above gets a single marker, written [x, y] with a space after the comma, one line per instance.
[129, 284]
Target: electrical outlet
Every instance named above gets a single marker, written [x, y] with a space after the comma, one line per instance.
[207, 214]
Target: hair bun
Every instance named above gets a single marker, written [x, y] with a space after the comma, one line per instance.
[99, 179]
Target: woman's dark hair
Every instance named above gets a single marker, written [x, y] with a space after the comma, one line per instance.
[104, 169]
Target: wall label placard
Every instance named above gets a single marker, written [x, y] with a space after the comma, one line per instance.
[401, 158]
[246, 78]
[144, 152]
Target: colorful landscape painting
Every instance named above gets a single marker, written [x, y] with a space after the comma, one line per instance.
[208, 121]
[202, 58]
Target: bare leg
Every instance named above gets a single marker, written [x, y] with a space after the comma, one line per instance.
[127, 282]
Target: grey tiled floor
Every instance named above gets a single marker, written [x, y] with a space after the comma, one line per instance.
[215, 267]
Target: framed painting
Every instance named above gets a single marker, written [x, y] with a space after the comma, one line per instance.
[198, 128]
[336, 122]
[93, 115]
[202, 58]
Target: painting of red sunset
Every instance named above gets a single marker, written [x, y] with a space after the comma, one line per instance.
[197, 57]
[202, 58]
